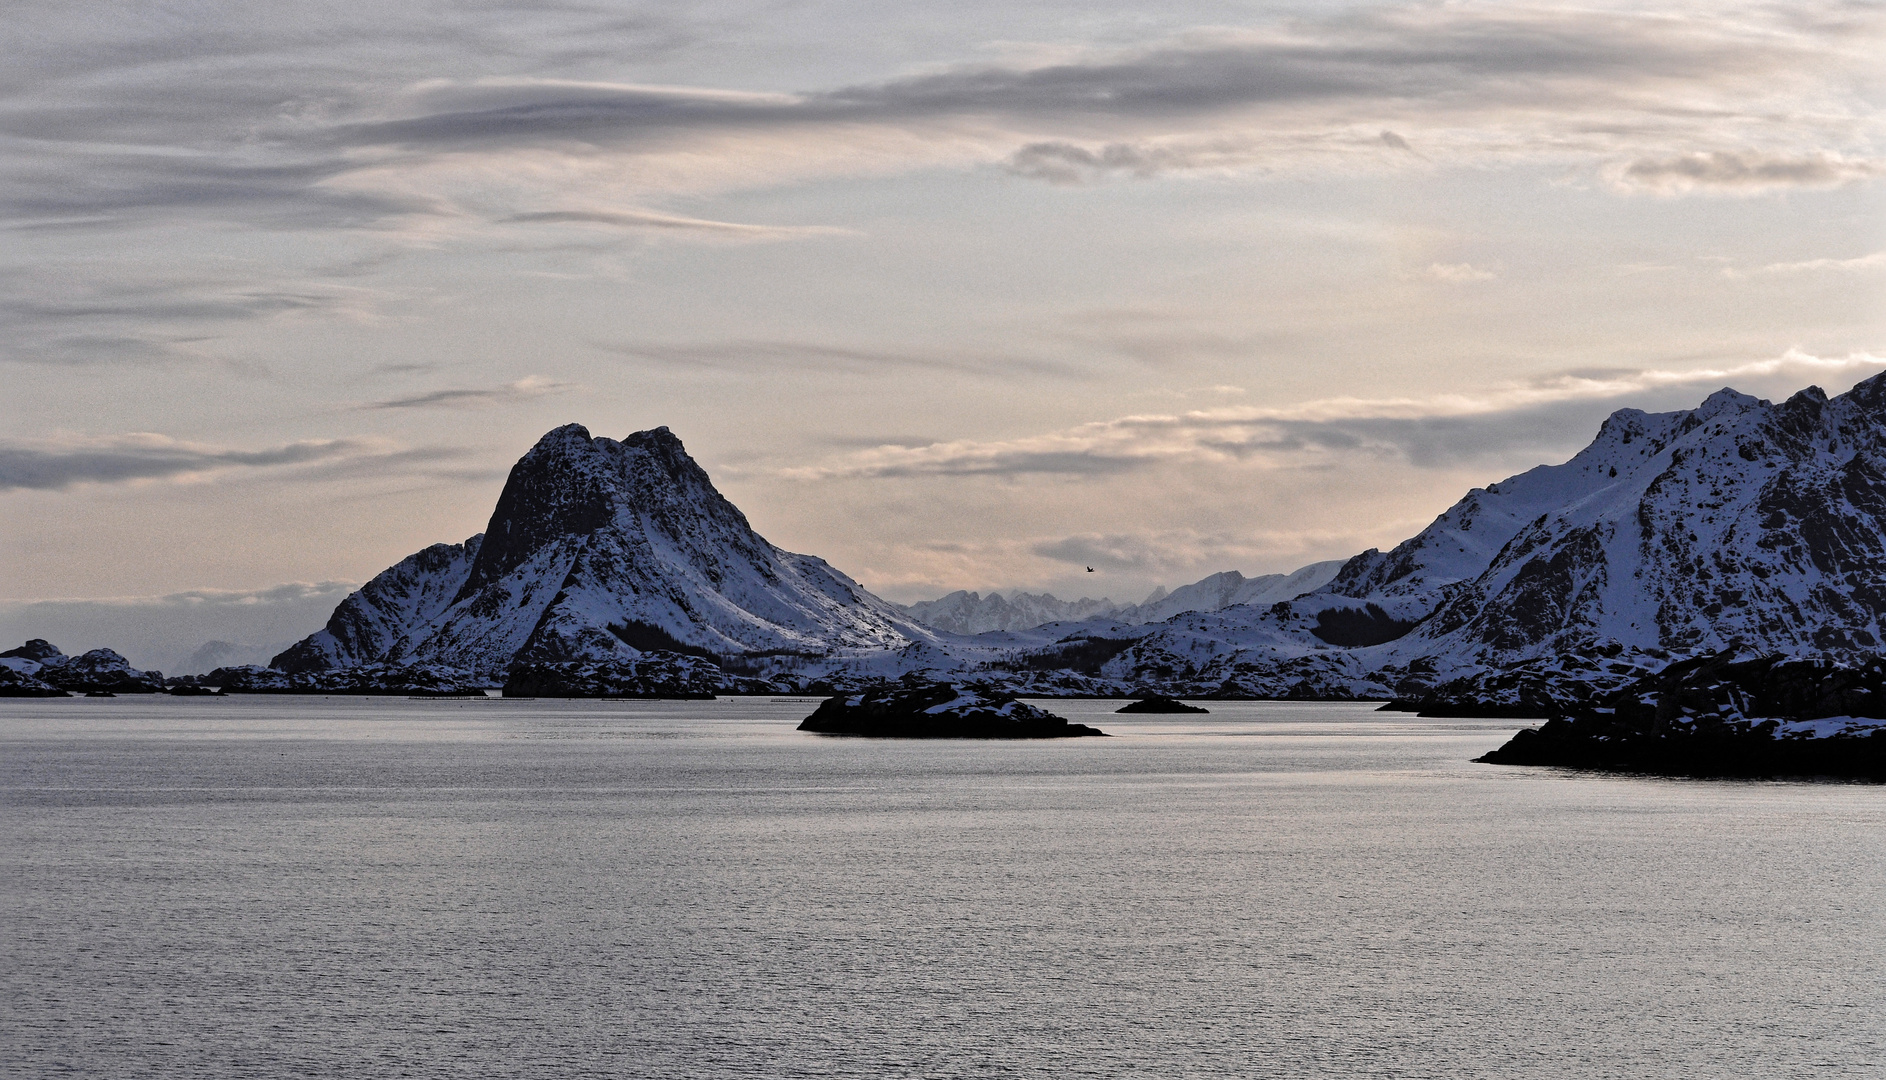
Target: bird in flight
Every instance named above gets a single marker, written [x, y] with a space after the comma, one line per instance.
[1090, 569]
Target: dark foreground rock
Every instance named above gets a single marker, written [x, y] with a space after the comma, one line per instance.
[15, 683]
[938, 710]
[1157, 703]
[99, 670]
[38, 650]
[667, 675]
[1716, 716]
[410, 680]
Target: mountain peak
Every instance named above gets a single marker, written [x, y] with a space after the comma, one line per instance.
[601, 548]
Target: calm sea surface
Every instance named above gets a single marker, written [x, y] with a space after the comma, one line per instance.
[289, 887]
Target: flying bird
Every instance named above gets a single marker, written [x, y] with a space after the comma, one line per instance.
[1090, 569]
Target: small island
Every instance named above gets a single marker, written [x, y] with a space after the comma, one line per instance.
[1159, 703]
[913, 709]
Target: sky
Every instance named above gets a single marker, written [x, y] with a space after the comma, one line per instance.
[955, 296]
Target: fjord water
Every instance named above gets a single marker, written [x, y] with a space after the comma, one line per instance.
[375, 887]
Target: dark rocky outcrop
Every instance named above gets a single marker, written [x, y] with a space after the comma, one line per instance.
[917, 709]
[1157, 703]
[100, 670]
[1716, 716]
[668, 675]
[20, 684]
[409, 680]
[38, 650]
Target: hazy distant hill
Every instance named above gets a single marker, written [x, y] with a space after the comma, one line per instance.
[969, 613]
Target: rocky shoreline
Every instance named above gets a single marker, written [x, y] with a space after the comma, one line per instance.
[1715, 716]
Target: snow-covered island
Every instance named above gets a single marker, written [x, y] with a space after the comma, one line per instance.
[914, 708]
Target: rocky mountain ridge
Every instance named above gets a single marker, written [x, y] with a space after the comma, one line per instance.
[602, 551]
[964, 612]
[1741, 526]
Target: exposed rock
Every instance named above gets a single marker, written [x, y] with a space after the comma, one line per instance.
[1156, 703]
[1715, 716]
[915, 709]
[16, 683]
[971, 613]
[600, 551]
[651, 675]
[100, 670]
[411, 680]
[1540, 689]
[38, 650]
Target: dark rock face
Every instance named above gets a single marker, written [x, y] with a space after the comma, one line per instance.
[410, 680]
[600, 551]
[369, 623]
[916, 709]
[1715, 716]
[1536, 689]
[1355, 627]
[674, 676]
[1158, 704]
[19, 684]
[38, 650]
[101, 670]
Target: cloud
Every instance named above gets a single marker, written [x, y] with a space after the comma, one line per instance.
[1744, 173]
[53, 465]
[1549, 412]
[785, 355]
[67, 314]
[524, 389]
[1111, 551]
[1875, 261]
[1458, 273]
[163, 631]
[650, 220]
[308, 143]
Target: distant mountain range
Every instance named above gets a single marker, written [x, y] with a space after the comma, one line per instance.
[969, 613]
[1739, 525]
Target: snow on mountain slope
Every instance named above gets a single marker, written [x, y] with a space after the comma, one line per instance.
[969, 613]
[405, 596]
[1229, 589]
[1739, 525]
[964, 612]
[601, 549]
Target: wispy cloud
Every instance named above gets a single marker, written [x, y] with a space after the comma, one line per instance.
[1743, 173]
[525, 389]
[648, 220]
[1458, 273]
[1432, 431]
[1466, 83]
[786, 355]
[1874, 261]
[57, 464]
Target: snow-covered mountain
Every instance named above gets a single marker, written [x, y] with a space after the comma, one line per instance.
[1739, 525]
[963, 612]
[601, 551]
